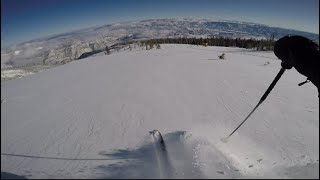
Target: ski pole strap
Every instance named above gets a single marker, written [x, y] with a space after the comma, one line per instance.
[302, 83]
[272, 85]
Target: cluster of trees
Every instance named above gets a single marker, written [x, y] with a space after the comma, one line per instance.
[87, 54]
[147, 44]
[258, 44]
[107, 50]
[150, 44]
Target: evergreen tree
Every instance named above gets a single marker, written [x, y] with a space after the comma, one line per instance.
[107, 50]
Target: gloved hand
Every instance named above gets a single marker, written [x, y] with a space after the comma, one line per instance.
[300, 53]
[282, 50]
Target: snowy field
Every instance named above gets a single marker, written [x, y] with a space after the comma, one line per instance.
[91, 118]
[13, 73]
[10, 73]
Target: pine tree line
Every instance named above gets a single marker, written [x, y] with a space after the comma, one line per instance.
[258, 44]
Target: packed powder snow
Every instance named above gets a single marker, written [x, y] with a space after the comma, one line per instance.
[91, 118]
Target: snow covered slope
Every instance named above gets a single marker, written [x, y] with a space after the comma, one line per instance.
[91, 118]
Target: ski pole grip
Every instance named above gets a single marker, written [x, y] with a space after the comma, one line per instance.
[274, 82]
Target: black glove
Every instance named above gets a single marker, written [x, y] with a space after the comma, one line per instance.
[286, 65]
[300, 53]
[283, 52]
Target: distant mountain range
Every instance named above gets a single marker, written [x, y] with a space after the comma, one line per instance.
[70, 46]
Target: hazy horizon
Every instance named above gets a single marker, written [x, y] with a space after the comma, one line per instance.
[27, 20]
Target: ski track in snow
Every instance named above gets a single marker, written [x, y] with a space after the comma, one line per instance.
[103, 107]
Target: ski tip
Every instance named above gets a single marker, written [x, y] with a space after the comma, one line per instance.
[225, 140]
[153, 131]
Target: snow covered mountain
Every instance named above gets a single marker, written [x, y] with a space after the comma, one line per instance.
[92, 118]
[70, 46]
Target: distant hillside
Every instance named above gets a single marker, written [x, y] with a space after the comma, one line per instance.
[70, 46]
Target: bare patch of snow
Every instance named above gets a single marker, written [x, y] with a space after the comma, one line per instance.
[17, 52]
[14, 73]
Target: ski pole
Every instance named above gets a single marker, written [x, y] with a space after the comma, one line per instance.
[261, 100]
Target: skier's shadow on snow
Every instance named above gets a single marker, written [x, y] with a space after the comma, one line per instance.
[5, 175]
[143, 164]
[147, 161]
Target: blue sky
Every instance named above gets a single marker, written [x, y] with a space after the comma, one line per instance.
[23, 20]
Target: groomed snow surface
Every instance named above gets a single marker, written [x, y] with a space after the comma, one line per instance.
[91, 118]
